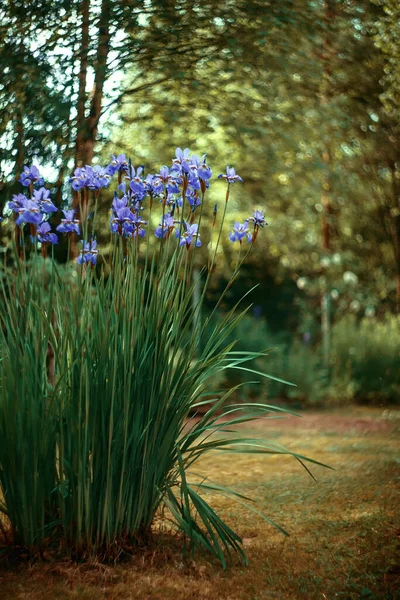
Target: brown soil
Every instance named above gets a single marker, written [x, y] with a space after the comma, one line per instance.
[329, 423]
[344, 528]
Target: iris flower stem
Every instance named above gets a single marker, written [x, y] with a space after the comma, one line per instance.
[148, 241]
[219, 234]
[162, 221]
[238, 256]
[96, 202]
[210, 268]
[228, 285]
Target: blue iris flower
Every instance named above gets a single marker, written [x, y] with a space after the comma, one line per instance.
[44, 234]
[97, 177]
[89, 253]
[78, 180]
[69, 224]
[202, 169]
[171, 179]
[173, 186]
[94, 178]
[189, 233]
[193, 199]
[166, 226]
[153, 185]
[194, 181]
[240, 231]
[42, 197]
[117, 163]
[164, 174]
[230, 176]
[137, 185]
[31, 175]
[124, 222]
[181, 162]
[17, 202]
[137, 223]
[29, 213]
[119, 202]
[258, 219]
[204, 172]
[121, 221]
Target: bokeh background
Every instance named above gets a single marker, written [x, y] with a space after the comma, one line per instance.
[301, 96]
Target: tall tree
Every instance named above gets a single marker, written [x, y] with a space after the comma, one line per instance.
[156, 41]
[387, 39]
[272, 125]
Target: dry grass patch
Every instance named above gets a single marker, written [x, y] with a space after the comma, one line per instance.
[344, 530]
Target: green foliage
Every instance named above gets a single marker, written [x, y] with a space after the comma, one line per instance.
[365, 363]
[304, 98]
[28, 415]
[50, 113]
[387, 38]
[368, 354]
[273, 85]
[304, 117]
[97, 379]
[295, 362]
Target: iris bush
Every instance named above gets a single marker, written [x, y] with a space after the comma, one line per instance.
[102, 374]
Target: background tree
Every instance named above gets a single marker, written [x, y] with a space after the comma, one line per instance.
[99, 40]
[244, 81]
[272, 123]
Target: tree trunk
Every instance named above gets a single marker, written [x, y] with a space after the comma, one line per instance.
[329, 15]
[19, 143]
[81, 103]
[87, 127]
[394, 225]
[100, 75]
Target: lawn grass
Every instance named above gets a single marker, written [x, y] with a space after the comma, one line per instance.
[344, 529]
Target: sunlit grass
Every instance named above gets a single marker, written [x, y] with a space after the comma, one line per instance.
[344, 529]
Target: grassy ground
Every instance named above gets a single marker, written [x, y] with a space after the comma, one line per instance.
[344, 530]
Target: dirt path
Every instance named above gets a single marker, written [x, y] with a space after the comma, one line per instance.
[377, 421]
[344, 528]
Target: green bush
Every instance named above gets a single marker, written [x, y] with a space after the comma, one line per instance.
[367, 354]
[251, 335]
[365, 364]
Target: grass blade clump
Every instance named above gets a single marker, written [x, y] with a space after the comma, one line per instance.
[99, 372]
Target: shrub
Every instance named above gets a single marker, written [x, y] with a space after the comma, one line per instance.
[367, 353]
[365, 363]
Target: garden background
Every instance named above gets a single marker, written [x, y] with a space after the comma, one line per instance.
[303, 98]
